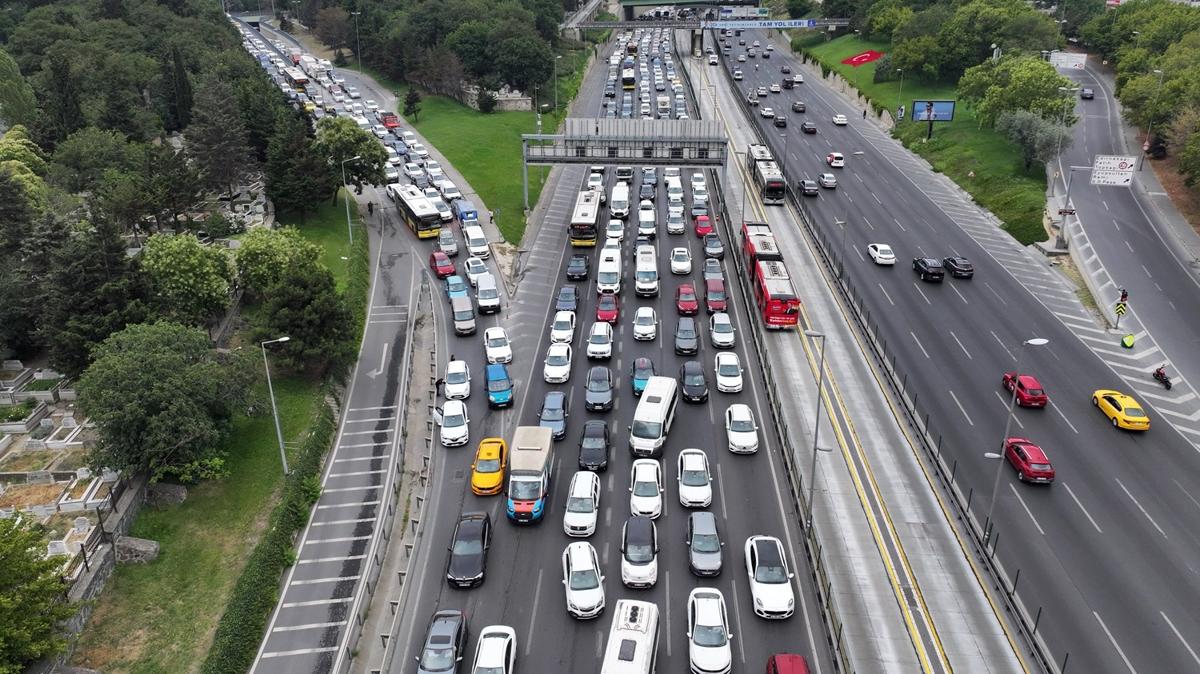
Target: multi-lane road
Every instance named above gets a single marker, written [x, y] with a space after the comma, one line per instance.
[1107, 553]
[523, 587]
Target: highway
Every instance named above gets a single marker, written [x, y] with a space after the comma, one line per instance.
[523, 587]
[1109, 552]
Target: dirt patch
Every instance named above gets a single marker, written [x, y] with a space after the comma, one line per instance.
[27, 495]
[1066, 266]
[1186, 199]
[312, 44]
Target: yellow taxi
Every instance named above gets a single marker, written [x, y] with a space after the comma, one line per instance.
[487, 471]
[1122, 410]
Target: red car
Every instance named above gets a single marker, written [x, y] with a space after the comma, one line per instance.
[441, 265]
[715, 298]
[1029, 390]
[703, 225]
[1030, 462]
[608, 309]
[686, 302]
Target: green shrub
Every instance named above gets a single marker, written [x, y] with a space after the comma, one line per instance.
[16, 412]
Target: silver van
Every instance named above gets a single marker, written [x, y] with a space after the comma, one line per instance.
[463, 313]
[646, 274]
[487, 294]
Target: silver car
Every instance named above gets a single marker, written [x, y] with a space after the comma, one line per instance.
[704, 544]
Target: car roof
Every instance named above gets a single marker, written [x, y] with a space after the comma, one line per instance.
[770, 550]
[1029, 381]
[687, 321]
[1034, 452]
[579, 554]
[456, 365]
[703, 522]
[727, 355]
[457, 405]
[594, 427]
[495, 330]
[496, 370]
[558, 346]
[692, 365]
[488, 450]
[554, 398]
[582, 481]
[740, 410]
[639, 529]
[708, 605]
[599, 372]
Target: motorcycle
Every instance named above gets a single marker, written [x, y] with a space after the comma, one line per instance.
[1161, 376]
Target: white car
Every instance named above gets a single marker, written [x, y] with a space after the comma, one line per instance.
[455, 429]
[413, 170]
[740, 430]
[708, 632]
[596, 182]
[379, 130]
[433, 166]
[881, 254]
[828, 180]
[737, 75]
[457, 383]
[721, 331]
[391, 174]
[562, 330]
[371, 105]
[496, 346]
[729, 372]
[639, 553]
[646, 488]
[698, 180]
[583, 581]
[835, 160]
[557, 368]
[583, 504]
[449, 190]
[675, 223]
[766, 112]
[420, 151]
[699, 194]
[645, 324]
[681, 260]
[435, 200]
[695, 481]
[475, 268]
[769, 577]
[615, 230]
[496, 652]
[774, 88]
[840, 120]
[600, 340]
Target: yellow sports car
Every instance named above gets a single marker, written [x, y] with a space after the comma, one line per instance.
[487, 472]
[1122, 410]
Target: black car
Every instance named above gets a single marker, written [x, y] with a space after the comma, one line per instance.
[445, 642]
[639, 546]
[786, 70]
[1087, 94]
[809, 188]
[647, 191]
[567, 300]
[780, 121]
[554, 414]
[693, 382]
[799, 106]
[599, 385]
[713, 248]
[929, 269]
[687, 340]
[469, 549]
[594, 447]
[577, 268]
[808, 127]
[959, 267]
[610, 92]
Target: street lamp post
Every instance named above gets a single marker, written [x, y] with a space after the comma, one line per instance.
[274, 409]
[900, 96]
[357, 42]
[349, 228]
[1012, 406]
[1150, 126]
[812, 473]
[556, 60]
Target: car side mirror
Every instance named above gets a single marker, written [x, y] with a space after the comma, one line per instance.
[791, 575]
[631, 490]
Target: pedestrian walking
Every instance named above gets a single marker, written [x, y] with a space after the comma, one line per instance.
[370, 208]
[864, 113]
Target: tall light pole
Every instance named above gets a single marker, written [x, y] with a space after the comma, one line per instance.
[812, 473]
[349, 228]
[557, 58]
[274, 409]
[1150, 126]
[1012, 407]
[900, 96]
[357, 41]
[745, 192]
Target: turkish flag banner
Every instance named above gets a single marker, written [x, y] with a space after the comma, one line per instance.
[863, 58]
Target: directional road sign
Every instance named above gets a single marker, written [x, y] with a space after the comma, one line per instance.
[1121, 308]
[1109, 170]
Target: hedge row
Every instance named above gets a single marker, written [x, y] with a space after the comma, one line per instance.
[245, 618]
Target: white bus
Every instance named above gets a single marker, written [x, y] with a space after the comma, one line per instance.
[583, 230]
[653, 417]
[767, 174]
[633, 639]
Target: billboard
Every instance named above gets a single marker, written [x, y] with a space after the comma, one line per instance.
[932, 111]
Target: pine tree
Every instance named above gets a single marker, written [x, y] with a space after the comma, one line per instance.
[177, 91]
[217, 136]
[298, 178]
[412, 104]
[16, 213]
[63, 112]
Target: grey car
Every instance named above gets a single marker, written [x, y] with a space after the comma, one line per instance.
[554, 414]
[712, 270]
[447, 243]
[445, 643]
[599, 396]
[704, 544]
[713, 248]
[687, 340]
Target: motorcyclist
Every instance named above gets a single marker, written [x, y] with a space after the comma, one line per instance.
[1161, 372]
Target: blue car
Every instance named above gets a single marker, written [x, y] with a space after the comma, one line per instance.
[499, 386]
[640, 373]
[456, 287]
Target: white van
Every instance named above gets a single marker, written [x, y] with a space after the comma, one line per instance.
[477, 243]
[487, 294]
[618, 206]
[653, 417]
[674, 188]
[646, 272]
[647, 223]
[464, 316]
[608, 273]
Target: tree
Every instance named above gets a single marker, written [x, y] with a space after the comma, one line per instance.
[1183, 127]
[17, 102]
[17, 212]
[913, 56]
[80, 160]
[1020, 83]
[524, 63]
[798, 9]
[304, 305]
[1076, 13]
[25, 284]
[472, 43]
[162, 398]
[188, 280]
[60, 100]
[177, 91]
[298, 177]
[122, 198]
[486, 101]
[1189, 160]
[339, 139]
[333, 27]
[217, 136]
[1040, 139]
[32, 597]
[265, 255]
[885, 16]
[171, 184]
[412, 104]
[15, 145]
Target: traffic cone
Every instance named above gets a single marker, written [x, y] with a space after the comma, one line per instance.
[1127, 341]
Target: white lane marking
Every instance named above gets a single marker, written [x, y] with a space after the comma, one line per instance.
[1139, 506]
[960, 345]
[989, 287]
[1027, 510]
[1180, 637]
[868, 222]
[1128, 245]
[1185, 493]
[599, 644]
[1114, 643]
[737, 614]
[885, 294]
[919, 345]
[1007, 402]
[960, 295]
[960, 407]
[1116, 224]
[922, 292]
[667, 606]
[1064, 417]
[1148, 274]
[1105, 204]
[898, 224]
[1001, 343]
[1079, 503]
[860, 255]
[876, 199]
[537, 592]
[721, 488]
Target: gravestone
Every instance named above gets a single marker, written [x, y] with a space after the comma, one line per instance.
[132, 550]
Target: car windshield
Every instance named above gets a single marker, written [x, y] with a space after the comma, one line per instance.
[695, 378]
[1039, 466]
[706, 543]
[557, 358]
[487, 466]
[525, 490]
[562, 325]
[722, 326]
[607, 277]
[592, 442]
[686, 333]
[709, 635]
[598, 338]
[717, 295]
[456, 377]
[488, 670]
[437, 659]
[1035, 391]
[552, 414]
[741, 426]
[496, 342]
[644, 319]
[584, 580]
[693, 478]
[498, 384]
[464, 315]
[728, 369]
[598, 383]
[646, 276]
[468, 547]
[639, 553]
[687, 295]
[645, 488]
[773, 574]
[580, 504]
[453, 420]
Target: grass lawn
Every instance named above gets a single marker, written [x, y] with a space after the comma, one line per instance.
[327, 229]
[1001, 184]
[160, 617]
